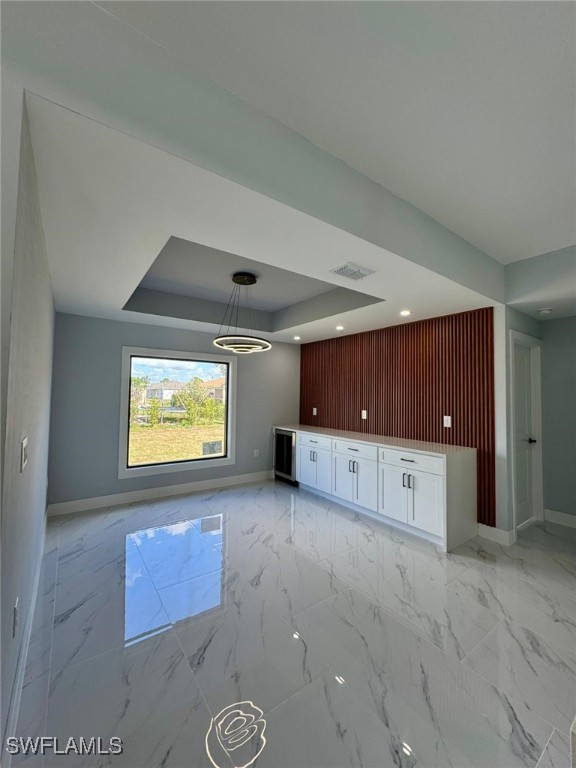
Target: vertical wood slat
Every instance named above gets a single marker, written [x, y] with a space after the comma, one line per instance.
[408, 377]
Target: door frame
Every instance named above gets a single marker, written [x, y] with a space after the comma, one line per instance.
[535, 347]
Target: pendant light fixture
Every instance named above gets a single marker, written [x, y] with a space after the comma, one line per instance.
[235, 340]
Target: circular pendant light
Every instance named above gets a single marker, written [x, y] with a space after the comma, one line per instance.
[235, 340]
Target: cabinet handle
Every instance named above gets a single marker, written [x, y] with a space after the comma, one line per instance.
[411, 461]
[403, 479]
[355, 467]
[311, 459]
[350, 465]
[354, 449]
[315, 456]
[313, 441]
[410, 477]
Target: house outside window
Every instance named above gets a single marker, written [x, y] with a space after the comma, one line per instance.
[177, 411]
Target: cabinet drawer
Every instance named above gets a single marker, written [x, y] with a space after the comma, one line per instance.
[361, 450]
[315, 441]
[407, 459]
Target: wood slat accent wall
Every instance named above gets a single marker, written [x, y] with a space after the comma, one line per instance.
[408, 377]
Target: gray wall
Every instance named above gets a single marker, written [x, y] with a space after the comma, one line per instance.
[86, 404]
[559, 414]
[28, 412]
[545, 280]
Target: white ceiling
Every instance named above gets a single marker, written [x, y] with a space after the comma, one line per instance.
[191, 269]
[110, 203]
[465, 109]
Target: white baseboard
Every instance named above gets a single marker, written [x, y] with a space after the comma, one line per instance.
[560, 518]
[527, 523]
[14, 703]
[506, 538]
[101, 502]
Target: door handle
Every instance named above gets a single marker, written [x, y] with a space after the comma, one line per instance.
[314, 456]
[350, 465]
[532, 440]
[355, 467]
[311, 459]
[403, 479]
[410, 477]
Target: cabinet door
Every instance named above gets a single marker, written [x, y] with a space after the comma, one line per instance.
[306, 467]
[425, 502]
[323, 470]
[393, 493]
[343, 477]
[366, 485]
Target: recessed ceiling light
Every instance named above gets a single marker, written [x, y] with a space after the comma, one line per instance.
[545, 311]
[405, 312]
[296, 338]
[339, 327]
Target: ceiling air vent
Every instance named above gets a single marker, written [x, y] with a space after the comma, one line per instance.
[352, 271]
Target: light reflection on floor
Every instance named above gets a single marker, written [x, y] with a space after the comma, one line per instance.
[185, 562]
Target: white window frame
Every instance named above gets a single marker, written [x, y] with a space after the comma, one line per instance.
[125, 472]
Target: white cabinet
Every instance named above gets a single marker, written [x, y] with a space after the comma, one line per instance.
[425, 502]
[355, 480]
[414, 498]
[427, 488]
[366, 473]
[393, 493]
[314, 468]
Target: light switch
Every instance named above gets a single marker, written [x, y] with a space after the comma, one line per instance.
[314, 412]
[447, 421]
[364, 414]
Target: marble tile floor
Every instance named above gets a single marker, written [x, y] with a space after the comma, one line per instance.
[261, 625]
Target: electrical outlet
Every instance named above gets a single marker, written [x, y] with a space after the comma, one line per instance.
[256, 452]
[364, 414]
[23, 454]
[447, 421]
[314, 411]
[15, 618]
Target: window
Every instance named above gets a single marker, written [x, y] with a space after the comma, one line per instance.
[177, 411]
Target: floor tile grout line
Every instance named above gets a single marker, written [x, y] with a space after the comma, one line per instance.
[499, 622]
[545, 748]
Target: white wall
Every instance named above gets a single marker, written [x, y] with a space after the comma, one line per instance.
[86, 405]
[28, 414]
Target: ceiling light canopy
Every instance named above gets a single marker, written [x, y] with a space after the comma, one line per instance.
[237, 340]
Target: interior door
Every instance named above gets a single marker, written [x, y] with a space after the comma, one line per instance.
[343, 477]
[522, 421]
[393, 492]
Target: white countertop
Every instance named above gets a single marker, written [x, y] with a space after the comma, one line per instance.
[419, 446]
